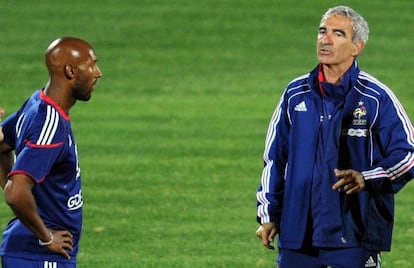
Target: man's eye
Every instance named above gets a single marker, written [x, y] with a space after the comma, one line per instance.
[339, 33]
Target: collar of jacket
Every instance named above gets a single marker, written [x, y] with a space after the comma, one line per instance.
[349, 79]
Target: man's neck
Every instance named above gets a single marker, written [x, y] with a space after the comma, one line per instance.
[59, 96]
[333, 73]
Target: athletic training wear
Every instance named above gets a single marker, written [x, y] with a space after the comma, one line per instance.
[22, 263]
[317, 127]
[46, 152]
[324, 258]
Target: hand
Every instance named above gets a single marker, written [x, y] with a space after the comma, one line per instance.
[350, 181]
[267, 232]
[61, 243]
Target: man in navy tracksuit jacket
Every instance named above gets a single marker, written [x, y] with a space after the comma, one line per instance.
[335, 154]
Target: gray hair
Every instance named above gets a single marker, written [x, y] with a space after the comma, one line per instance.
[359, 24]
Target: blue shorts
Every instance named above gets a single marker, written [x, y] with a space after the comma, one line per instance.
[11, 262]
[328, 257]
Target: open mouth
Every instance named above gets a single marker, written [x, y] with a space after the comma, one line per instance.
[325, 52]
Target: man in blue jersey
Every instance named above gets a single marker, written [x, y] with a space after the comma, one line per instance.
[43, 186]
[338, 147]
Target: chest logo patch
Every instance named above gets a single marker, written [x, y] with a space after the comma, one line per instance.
[359, 115]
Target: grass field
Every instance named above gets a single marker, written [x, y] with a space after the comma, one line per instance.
[172, 140]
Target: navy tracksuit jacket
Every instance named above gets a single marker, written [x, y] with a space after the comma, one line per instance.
[357, 125]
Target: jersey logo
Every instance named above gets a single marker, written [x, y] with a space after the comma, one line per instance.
[359, 115]
[50, 264]
[371, 262]
[355, 132]
[301, 107]
[75, 201]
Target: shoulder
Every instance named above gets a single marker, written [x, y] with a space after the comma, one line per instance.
[42, 110]
[298, 84]
[371, 85]
[374, 89]
[42, 123]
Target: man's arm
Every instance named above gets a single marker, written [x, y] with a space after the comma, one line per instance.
[270, 192]
[271, 189]
[393, 150]
[6, 162]
[18, 193]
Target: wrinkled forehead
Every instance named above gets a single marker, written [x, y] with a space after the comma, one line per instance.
[337, 21]
[337, 16]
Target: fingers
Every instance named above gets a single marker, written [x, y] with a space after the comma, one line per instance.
[352, 189]
[64, 253]
[270, 239]
[267, 236]
[67, 237]
[350, 181]
[62, 243]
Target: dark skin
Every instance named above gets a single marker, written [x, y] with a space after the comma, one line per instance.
[73, 71]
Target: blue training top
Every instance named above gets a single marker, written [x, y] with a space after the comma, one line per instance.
[45, 151]
[318, 127]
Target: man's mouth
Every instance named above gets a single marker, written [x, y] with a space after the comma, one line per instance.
[323, 51]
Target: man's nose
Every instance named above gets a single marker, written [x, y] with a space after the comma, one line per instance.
[98, 72]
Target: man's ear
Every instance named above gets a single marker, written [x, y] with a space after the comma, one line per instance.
[358, 47]
[69, 72]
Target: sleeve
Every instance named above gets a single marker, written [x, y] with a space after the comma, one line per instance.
[41, 138]
[271, 189]
[9, 129]
[395, 139]
[12, 125]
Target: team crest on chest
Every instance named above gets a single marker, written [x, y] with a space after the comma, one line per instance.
[359, 115]
[359, 122]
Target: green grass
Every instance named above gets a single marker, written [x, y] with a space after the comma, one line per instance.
[171, 142]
